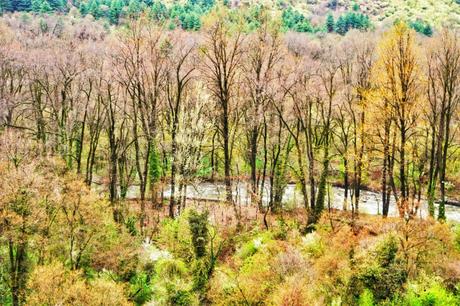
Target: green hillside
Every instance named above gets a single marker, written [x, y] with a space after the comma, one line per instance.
[308, 15]
[436, 12]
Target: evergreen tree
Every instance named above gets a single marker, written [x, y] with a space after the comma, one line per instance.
[116, 7]
[428, 31]
[134, 8]
[57, 5]
[36, 4]
[158, 11]
[355, 7]
[190, 21]
[21, 5]
[5, 6]
[341, 26]
[330, 24]
[93, 8]
[293, 20]
[45, 7]
[304, 26]
[41, 6]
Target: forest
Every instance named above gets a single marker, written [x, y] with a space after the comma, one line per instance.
[241, 156]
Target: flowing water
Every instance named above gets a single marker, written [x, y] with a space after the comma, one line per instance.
[370, 202]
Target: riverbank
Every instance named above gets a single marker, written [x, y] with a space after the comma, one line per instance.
[346, 261]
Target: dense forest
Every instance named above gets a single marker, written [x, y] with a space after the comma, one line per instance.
[209, 153]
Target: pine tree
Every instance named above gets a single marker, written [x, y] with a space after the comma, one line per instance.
[158, 12]
[330, 24]
[304, 26]
[341, 26]
[57, 5]
[45, 7]
[427, 30]
[5, 6]
[134, 8]
[116, 7]
[36, 4]
[41, 6]
[355, 7]
[21, 5]
[93, 8]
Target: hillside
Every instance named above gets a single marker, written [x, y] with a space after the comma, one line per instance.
[307, 15]
[381, 11]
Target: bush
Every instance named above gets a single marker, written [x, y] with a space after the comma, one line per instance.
[366, 298]
[312, 244]
[55, 285]
[381, 272]
[250, 248]
[140, 288]
[422, 27]
[175, 236]
[429, 291]
[198, 224]
[171, 268]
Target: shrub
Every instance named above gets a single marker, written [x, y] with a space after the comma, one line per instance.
[175, 236]
[381, 272]
[171, 268]
[250, 248]
[55, 285]
[366, 298]
[312, 244]
[292, 293]
[281, 230]
[200, 275]
[198, 224]
[289, 262]
[140, 288]
[429, 291]
[422, 27]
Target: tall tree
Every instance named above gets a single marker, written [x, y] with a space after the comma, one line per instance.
[177, 82]
[443, 95]
[399, 81]
[223, 51]
[260, 67]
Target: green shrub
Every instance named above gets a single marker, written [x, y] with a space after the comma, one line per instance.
[281, 230]
[170, 268]
[130, 224]
[175, 236]
[181, 297]
[366, 298]
[381, 272]
[457, 237]
[250, 248]
[198, 224]
[422, 27]
[429, 292]
[313, 245]
[200, 275]
[140, 289]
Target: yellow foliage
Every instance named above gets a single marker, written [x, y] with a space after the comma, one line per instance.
[55, 285]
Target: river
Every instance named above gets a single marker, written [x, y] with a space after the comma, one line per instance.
[370, 202]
